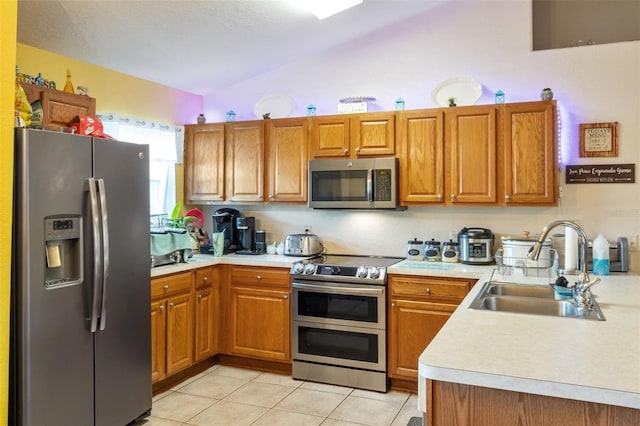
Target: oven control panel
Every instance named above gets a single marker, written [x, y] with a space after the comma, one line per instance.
[342, 273]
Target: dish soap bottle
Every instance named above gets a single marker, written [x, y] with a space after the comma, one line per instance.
[600, 255]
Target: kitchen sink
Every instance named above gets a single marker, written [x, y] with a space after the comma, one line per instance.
[531, 299]
[522, 290]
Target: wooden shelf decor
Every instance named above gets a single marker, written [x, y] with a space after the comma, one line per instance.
[599, 140]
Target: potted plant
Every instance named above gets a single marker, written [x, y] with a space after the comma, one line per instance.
[452, 101]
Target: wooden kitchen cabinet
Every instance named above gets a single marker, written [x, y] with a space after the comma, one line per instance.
[287, 152]
[479, 155]
[530, 154]
[259, 313]
[204, 151]
[59, 107]
[207, 317]
[245, 161]
[448, 156]
[420, 140]
[418, 308]
[353, 135]
[470, 133]
[172, 322]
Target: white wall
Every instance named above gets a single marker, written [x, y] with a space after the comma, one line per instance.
[489, 41]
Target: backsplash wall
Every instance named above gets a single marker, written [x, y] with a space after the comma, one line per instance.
[385, 233]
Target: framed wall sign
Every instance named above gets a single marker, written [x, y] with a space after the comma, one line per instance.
[599, 140]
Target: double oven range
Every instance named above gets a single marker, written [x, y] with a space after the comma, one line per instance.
[339, 320]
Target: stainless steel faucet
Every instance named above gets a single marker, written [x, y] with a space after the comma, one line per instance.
[581, 292]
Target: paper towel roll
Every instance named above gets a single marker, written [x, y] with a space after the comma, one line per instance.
[53, 256]
[570, 250]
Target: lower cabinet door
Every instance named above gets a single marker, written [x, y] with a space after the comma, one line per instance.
[158, 342]
[260, 321]
[412, 326]
[206, 336]
[179, 332]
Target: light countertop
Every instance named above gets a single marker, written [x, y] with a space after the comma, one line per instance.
[588, 360]
[204, 260]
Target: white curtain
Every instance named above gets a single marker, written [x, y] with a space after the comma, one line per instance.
[165, 141]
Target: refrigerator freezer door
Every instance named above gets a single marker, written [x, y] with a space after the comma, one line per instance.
[123, 348]
[52, 348]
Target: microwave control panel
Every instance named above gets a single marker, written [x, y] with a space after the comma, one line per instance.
[382, 188]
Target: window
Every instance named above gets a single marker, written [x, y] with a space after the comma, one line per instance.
[164, 141]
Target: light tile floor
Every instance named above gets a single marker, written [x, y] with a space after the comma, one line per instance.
[233, 396]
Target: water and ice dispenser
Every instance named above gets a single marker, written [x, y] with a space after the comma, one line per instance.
[63, 251]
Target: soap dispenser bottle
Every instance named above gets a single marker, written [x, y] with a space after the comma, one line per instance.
[600, 255]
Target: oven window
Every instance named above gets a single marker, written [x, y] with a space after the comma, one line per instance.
[338, 344]
[340, 185]
[338, 306]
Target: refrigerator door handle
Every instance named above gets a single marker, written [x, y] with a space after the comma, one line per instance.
[95, 226]
[105, 252]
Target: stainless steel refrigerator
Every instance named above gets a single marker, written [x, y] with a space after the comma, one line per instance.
[80, 312]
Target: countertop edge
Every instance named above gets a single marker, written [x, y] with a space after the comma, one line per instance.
[533, 386]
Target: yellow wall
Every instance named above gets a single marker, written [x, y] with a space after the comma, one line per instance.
[114, 91]
[8, 22]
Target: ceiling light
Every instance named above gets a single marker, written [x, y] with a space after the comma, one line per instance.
[325, 8]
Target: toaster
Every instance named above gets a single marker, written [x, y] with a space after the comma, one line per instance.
[302, 245]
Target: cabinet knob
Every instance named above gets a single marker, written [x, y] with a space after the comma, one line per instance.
[199, 296]
[393, 305]
[507, 198]
[453, 196]
[439, 196]
[358, 150]
[166, 287]
[205, 279]
[271, 196]
[427, 290]
[161, 307]
[346, 151]
[171, 304]
[285, 297]
[258, 277]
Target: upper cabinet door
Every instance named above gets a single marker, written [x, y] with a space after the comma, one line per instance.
[245, 160]
[373, 134]
[330, 136]
[420, 138]
[530, 159]
[472, 136]
[204, 162]
[287, 153]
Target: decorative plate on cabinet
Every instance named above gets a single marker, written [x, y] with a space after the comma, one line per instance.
[278, 106]
[466, 91]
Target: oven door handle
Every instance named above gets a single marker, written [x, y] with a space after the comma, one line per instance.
[344, 290]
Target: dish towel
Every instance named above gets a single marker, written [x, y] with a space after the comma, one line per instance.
[162, 244]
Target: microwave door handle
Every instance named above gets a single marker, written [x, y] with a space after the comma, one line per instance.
[370, 185]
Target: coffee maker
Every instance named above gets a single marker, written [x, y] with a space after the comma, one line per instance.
[246, 228]
[225, 221]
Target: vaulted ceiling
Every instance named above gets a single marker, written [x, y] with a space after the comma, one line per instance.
[198, 46]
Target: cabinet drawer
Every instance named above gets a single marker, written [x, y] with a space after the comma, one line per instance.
[205, 277]
[447, 288]
[163, 286]
[261, 276]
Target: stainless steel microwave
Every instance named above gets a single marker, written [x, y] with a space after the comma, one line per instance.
[363, 183]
